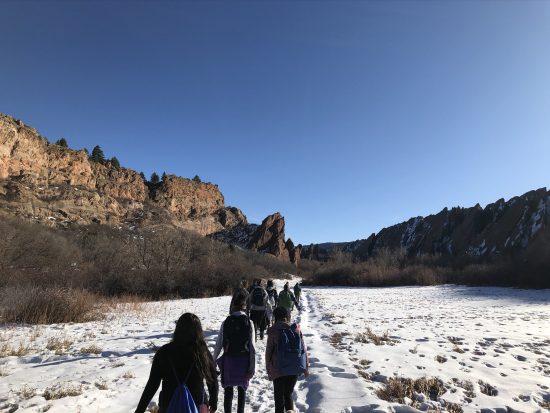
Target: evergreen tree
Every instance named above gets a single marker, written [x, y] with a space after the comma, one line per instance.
[86, 151]
[197, 179]
[155, 178]
[164, 176]
[62, 142]
[114, 161]
[143, 176]
[97, 155]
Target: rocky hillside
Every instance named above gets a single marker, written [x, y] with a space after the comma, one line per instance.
[499, 228]
[61, 187]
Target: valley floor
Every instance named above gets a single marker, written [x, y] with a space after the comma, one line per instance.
[490, 347]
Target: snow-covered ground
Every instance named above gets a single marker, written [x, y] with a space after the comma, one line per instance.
[460, 335]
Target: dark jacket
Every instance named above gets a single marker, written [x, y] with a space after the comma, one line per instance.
[182, 360]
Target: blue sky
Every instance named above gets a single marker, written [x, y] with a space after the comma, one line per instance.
[344, 116]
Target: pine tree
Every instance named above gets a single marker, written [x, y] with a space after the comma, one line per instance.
[62, 142]
[97, 155]
[114, 161]
[197, 179]
[143, 176]
[164, 176]
[155, 178]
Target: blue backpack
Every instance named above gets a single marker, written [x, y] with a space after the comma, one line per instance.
[182, 401]
[291, 354]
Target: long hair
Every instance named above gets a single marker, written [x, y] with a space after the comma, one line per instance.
[189, 334]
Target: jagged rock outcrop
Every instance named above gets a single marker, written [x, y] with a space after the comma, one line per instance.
[294, 251]
[59, 186]
[499, 228]
[269, 238]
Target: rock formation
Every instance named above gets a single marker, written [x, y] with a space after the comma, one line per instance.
[269, 238]
[59, 186]
[499, 228]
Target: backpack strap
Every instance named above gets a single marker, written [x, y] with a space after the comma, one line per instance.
[186, 376]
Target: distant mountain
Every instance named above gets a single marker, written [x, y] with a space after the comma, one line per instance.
[58, 186]
[500, 228]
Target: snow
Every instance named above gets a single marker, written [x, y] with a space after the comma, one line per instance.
[503, 332]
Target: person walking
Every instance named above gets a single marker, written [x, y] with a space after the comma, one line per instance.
[258, 303]
[272, 299]
[239, 290]
[238, 361]
[297, 293]
[287, 300]
[184, 361]
[286, 359]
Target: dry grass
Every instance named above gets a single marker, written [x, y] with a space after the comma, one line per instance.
[487, 389]
[467, 386]
[441, 359]
[26, 392]
[6, 350]
[457, 349]
[91, 349]
[35, 305]
[337, 340]
[128, 375]
[101, 384]
[60, 391]
[59, 345]
[397, 389]
[370, 337]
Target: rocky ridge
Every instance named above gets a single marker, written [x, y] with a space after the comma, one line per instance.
[499, 228]
[58, 186]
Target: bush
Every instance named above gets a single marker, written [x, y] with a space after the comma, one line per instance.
[40, 268]
[46, 305]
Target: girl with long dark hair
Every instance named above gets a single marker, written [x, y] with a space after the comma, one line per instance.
[185, 359]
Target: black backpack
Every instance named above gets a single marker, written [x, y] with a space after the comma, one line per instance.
[258, 297]
[236, 334]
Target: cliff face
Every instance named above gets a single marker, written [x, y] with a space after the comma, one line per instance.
[499, 228]
[60, 186]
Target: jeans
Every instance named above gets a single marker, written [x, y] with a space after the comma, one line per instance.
[283, 388]
[228, 399]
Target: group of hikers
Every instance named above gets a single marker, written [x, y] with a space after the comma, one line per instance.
[184, 364]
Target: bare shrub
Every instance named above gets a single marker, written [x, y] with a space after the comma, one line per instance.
[91, 349]
[396, 389]
[128, 375]
[6, 350]
[59, 391]
[26, 392]
[370, 337]
[59, 345]
[37, 305]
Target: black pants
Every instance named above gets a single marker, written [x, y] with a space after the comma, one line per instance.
[259, 318]
[228, 399]
[284, 387]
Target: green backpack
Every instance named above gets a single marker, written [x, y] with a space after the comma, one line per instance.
[285, 300]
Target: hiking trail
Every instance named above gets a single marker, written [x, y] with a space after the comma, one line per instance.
[332, 382]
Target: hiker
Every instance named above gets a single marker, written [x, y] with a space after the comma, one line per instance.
[241, 289]
[238, 362]
[297, 293]
[286, 359]
[182, 365]
[257, 304]
[287, 300]
[273, 299]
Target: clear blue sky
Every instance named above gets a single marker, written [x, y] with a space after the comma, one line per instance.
[344, 116]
